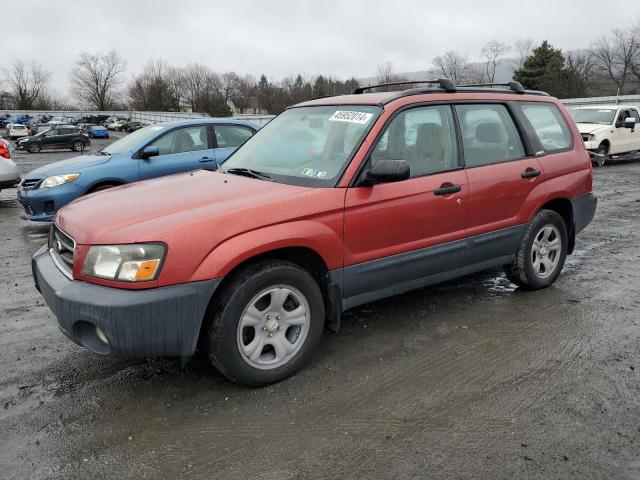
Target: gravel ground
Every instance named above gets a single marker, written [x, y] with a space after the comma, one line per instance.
[471, 379]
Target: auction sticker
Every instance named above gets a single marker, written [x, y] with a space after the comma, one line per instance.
[351, 117]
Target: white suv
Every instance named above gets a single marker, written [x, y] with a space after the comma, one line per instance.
[609, 131]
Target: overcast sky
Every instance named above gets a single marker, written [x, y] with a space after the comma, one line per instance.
[276, 37]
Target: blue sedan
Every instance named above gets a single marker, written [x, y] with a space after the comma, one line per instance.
[98, 132]
[150, 152]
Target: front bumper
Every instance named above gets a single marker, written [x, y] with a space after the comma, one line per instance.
[41, 205]
[159, 322]
[8, 183]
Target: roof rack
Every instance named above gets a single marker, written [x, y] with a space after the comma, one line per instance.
[515, 86]
[444, 83]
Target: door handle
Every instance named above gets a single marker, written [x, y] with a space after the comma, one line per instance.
[205, 159]
[530, 173]
[447, 189]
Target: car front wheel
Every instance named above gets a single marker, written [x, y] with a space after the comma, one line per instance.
[542, 252]
[76, 146]
[266, 323]
[34, 148]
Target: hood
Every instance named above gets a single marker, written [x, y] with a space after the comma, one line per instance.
[591, 127]
[71, 165]
[200, 204]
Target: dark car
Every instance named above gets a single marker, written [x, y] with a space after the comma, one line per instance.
[64, 136]
[132, 126]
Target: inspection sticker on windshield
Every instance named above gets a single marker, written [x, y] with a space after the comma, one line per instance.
[351, 117]
[310, 172]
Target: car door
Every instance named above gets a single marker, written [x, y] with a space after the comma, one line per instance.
[398, 233]
[505, 179]
[51, 138]
[181, 149]
[634, 133]
[228, 138]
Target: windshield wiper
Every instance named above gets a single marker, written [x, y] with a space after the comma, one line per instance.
[247, 172]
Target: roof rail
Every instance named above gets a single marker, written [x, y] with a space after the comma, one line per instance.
[444, 83]
[515, 86]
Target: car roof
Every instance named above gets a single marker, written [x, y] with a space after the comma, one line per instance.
[200, 121]
[599, 107]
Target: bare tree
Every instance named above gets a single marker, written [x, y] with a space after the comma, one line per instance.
[523, 49]
[452, 65]
[492, 52]
[96, 79]
[27, 82]
[194, 80]
[230, 84]
[614, 55]
[476, 73]
[384, 73]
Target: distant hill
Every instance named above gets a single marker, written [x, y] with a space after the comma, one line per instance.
[504, 73]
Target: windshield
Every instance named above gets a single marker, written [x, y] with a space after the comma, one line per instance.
[308, 146]
[131, 141]
[603, 116]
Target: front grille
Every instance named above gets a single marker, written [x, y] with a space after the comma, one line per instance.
[29, 183]
[62, 250]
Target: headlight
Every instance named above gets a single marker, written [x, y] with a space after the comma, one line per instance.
[588, 137]
[58, 180]
[124, 263]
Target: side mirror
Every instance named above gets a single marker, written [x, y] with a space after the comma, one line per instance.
[629, 122]
[150, 151]
[386, 171]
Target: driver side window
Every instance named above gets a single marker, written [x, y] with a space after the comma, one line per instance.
[425, 137]
[187, 139]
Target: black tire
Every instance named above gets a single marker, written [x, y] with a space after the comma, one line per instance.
[521, 271]
[603, 151]
[227, 310]
[34, 148]
[76, 146]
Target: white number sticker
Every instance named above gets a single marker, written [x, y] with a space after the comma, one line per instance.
[351, 117]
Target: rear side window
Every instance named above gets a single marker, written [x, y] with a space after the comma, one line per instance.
[424, 137]
[488, 135]
[231, 135]
[549, 125]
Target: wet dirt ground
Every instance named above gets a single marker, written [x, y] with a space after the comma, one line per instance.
[471, 379]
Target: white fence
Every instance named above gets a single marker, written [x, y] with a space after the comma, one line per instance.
[622, 99]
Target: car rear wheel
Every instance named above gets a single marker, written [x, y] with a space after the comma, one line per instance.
[34, 148]
[542, 252]
[266, 324]
[76, 146]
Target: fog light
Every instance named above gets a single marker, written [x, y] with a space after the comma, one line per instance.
[101, 336]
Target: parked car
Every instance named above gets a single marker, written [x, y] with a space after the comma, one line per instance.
[132, 126]
[16, 131]
[98, 131]
[60, 137]
[116, 124]
[608, 131]
[332, 204]
[150, 152]
[15, 120]
[56, 121]
[9, 174]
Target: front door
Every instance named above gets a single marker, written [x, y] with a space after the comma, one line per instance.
[398, 233]
[182, 149]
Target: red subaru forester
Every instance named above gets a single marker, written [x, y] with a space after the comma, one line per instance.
[336, 202]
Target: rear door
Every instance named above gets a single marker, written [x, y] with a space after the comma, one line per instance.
[181, 149]
[398, 233]
[505, 180]
[228, 138]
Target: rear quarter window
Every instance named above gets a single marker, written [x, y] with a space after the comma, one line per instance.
[550, 126]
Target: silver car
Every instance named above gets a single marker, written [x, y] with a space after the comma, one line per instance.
[9, 174]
